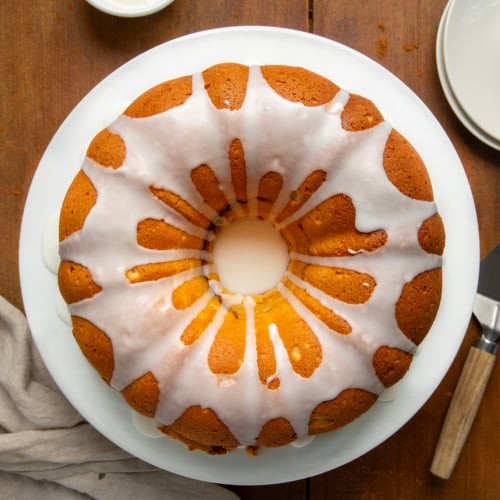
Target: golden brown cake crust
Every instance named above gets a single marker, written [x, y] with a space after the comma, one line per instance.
[161, 98]
[95, 345]
[107, 149]
[276, 432]
[226, 85]
[299, 85]
[347, 406]
[418, 304]
[202, 428]
[359, 114]
[143, 394]
[412, 180]
[76, 282]
[328, 230]
[390, 364]
[79, 200]
[431, 235]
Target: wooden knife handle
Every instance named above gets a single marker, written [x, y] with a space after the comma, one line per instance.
[462, 411]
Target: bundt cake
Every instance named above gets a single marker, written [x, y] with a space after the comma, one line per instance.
[220, 367]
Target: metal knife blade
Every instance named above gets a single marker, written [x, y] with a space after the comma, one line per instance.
[487, 303]
[476, 371]
[489, 275]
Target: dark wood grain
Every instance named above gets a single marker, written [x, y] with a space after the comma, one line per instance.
[54, 51]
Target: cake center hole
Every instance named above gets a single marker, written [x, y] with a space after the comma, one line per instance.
[250, 256]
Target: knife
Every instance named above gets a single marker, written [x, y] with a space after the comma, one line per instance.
[476, 371]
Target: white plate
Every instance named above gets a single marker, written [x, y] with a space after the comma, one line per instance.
[471, 53]
[448, 91]
[103, 408]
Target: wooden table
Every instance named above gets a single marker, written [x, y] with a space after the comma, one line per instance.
[54, 51]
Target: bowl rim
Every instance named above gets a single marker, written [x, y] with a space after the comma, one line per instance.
[129, 11]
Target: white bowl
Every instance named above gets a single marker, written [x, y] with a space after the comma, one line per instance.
[129, 8]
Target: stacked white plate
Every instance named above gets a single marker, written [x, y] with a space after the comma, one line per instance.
[468, 62]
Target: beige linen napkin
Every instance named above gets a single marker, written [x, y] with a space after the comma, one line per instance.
[47, 450]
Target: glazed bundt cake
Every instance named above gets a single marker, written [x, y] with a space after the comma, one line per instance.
[349, 197]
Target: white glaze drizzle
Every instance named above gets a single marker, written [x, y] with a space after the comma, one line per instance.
[50, 241]
[146, 426]
[161, 150]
